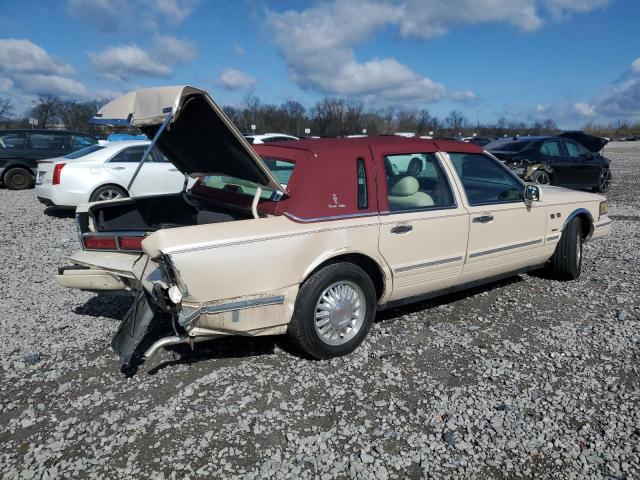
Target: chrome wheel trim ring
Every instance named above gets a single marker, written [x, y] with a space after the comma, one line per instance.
[339, 313]
[578, 250]
[543, 179]
[109, 195]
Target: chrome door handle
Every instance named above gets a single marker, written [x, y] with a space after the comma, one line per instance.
[483, 219]
[402, 229]
[117, 168]
[173, 169]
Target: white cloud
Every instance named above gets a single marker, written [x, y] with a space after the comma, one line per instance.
[37, 84]
[173, 50]
[5, 84]
[318, 43]
[622, 98]
[23, 56]
[126, 61]
[232, 79]
[584, 109]
[123, 62]
[239, 50]
[174, 10]
[27, 68]
[111, 16]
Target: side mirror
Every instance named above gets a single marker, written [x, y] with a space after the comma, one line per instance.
[532, 193]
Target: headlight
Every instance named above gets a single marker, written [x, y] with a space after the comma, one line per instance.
[604, 208]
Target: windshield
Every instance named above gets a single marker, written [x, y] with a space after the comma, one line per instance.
[83, 151]
[281, 170]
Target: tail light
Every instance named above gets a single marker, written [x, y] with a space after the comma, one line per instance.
[100, 243]
[56, 173]
[130, 243]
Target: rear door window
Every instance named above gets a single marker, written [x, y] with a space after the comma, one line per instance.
[551, 148]
[81, 141]
[575, 149]
[416, 181]
[48, 141]
[131, 155]
[13, 141]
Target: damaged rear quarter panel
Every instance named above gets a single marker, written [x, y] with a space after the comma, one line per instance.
[249, 259]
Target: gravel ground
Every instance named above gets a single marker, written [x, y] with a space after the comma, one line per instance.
[528, 377]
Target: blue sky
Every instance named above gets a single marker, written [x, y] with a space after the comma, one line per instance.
[574, 61]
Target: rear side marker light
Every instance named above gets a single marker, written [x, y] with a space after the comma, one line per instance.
[130, 243]
[100, 243]
[56, 173]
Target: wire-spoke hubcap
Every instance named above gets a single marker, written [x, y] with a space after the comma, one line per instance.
[605, 179]
[109, 195]
[340, 313]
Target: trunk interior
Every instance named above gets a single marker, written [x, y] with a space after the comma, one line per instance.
[148, 214]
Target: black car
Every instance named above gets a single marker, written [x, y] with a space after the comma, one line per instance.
[21, 149]
[481, 141]
[572, 160]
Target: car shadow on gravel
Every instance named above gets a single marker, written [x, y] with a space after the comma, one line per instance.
[392, 314]
[57, 212]
[105, 305]
[221, 348]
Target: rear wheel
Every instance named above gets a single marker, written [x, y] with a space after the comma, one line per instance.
[334, 311]
[541, 177]
[604, 181]
[18, 178]
[566, 262]
[107, 192]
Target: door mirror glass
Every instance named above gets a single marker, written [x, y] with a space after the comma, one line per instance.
[532, 193]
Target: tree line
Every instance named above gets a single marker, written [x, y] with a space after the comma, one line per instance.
[328, 117]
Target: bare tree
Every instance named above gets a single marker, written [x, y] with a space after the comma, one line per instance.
[6, 108]
[44, 110]
[456, 122]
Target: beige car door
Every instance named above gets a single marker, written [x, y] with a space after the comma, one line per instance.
[505, 234]
[423, 233]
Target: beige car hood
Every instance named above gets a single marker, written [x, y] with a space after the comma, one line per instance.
[199, 139]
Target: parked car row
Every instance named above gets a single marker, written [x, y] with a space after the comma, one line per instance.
[571, 160]
[309, 238]
[21, 149]
[103, 172]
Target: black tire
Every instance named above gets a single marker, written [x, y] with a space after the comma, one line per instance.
[604, 181]
[18, 178]
[107, 190]
[566, 263]
[541, 177]
[302, 330]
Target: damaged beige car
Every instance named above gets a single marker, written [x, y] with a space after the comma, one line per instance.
[309, 238]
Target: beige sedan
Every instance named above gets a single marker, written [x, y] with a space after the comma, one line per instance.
[310, 238]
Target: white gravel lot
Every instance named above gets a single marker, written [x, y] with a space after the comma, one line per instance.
[528, 377]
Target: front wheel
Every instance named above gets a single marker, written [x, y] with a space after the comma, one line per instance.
[566, 263]
[541, 177]
[604, 181]
[18, 178]
[334, 311]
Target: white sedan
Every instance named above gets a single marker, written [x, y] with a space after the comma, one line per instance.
[103, 172]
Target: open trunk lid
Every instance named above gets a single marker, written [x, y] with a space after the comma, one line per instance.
[592, 143]
[199, 138]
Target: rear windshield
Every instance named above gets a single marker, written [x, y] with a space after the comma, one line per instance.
[281, 169]
[502, 146]
[84, 151]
